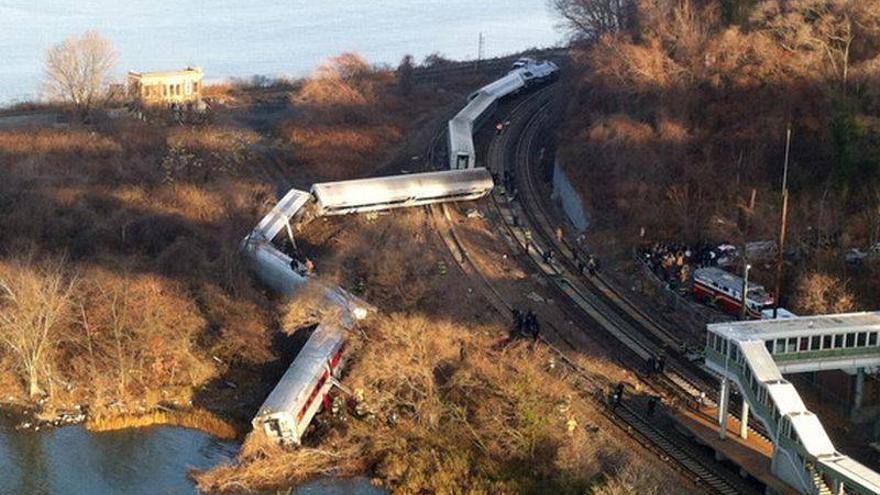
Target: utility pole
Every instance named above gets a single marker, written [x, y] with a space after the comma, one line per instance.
[480, 46]
[780, 262]
[745, 294]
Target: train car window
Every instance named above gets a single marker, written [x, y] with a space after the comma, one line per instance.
[826, 341]
[838, 341]
[769, 345]
[780, 346]
[862, 339]
[792, 344]
[815, 342]
[805, 344]
[850, 340]
[872, 339]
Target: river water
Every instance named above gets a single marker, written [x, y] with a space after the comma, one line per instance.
[271, 37]
[149, 461]
[72, 460]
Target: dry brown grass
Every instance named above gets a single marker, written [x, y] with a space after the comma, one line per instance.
[197, 419]
[451, 411]
[70, 143]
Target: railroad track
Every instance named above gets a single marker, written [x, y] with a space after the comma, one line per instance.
[696, 465]
[637, 330]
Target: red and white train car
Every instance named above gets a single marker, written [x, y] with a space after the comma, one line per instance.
[289, 409]
[714, 284]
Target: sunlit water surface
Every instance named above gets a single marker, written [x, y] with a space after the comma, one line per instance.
[271, 37]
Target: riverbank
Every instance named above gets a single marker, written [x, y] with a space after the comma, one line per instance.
[126, 232]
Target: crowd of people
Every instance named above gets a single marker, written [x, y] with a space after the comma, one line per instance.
[674, 262]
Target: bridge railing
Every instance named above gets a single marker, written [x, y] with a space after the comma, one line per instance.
[788, 449]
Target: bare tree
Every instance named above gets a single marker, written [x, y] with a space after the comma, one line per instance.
[837, 33]
[35, 302]
[589, 19]
[78, 69]
[821, 293]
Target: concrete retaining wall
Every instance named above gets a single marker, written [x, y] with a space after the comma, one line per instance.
[568, 197]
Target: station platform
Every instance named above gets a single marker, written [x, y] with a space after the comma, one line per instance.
[752, 455]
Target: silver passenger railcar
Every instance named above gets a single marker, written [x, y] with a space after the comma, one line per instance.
[292, 404]
[282, 215]
[382, 193]
[481, 105]
[275, 269]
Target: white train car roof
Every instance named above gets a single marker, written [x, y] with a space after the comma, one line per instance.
[476, 107]
[760, 361]
[393, 188]
[867, 478]
[508, 84]
[800, 326]
[460, 135]
[811, 433]
[276, 219]
[298, 381]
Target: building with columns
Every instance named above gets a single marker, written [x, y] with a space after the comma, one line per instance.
[181, 87]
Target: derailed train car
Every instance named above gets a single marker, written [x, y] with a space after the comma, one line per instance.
[382, 193]
[481, 105]
[300, 393]
[275, 269]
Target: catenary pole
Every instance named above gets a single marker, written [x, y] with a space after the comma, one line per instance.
[780, 262]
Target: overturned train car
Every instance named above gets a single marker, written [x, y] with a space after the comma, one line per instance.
[303, 389]
[397, 191]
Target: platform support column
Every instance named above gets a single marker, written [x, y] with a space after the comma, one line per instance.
[722, 408]
[744, 425]
[860, 390]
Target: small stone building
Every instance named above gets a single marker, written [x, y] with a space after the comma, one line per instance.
[166, 88]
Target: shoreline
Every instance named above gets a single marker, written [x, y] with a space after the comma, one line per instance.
[28, 417]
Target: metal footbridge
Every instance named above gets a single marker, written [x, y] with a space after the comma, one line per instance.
[754, 355]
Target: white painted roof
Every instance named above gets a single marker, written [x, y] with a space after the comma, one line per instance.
[401, 187]
[504, 86]
[276, 219]
[804, 325]
[460, 132]
[865, 476]
[299, 380]
[812, 434]
[786, 398]
[730, 283]
[760, 361]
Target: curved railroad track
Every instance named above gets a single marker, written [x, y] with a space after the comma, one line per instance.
[593, 305]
